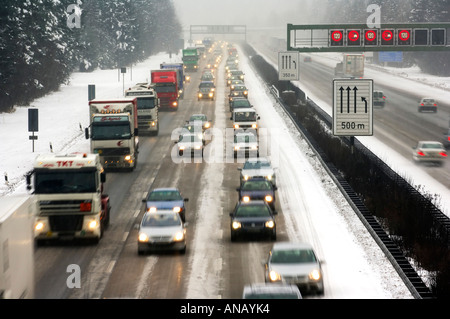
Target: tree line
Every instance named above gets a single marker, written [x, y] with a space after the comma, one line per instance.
[43, 41]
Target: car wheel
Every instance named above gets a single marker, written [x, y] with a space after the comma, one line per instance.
[140, 252]
[183, 251]
[233, 237]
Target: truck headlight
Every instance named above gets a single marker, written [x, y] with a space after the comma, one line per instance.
[236, 148]
[175, 103]
[93, 224]
[268, 198]
[200, 95]
[254, 125]
[246, 199]
[236, 126]
[39, 226]
[127, 158]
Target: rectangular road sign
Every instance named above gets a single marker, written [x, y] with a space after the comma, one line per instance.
[288, 65]
[353, 107]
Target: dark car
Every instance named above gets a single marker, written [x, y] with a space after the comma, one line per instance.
[239, 102]
[253, 218]
[236, 94]
[206, 90]
[257, 188]
[166, 198]
[446, 141]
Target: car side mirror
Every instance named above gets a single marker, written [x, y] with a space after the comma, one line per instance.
[275, 188]
[238, 189]
[186, 199]
[275, 212]
[239, 169]
[231, 118]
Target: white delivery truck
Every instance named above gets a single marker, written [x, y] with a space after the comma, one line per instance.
[17, 215]
[114, 132]
[352, 66]
[244, 118]
[147, 108]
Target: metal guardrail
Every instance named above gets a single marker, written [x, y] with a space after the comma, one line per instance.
[400, 263]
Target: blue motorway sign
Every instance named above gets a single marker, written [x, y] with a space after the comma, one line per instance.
[390, 56]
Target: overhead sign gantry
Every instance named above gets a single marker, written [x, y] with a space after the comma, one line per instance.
[218, 29]
[358, 37]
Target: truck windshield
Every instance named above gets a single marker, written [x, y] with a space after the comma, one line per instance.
[111, 131]
[65, 181]
[165, 87]
[145, 103]
[244, 116]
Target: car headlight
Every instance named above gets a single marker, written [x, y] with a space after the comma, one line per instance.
[315, 275]
[177, 209]
[268, 198]
[236, 225]
[236, 148]
[211, 94]
[270, 224]
[200, 95]
[246, 199]
[197, 147]
[254, 147]
[143, 238]
[274, 276]
[245, 177]
[128, 157]
[151, 209]
[236, 126]
[254, 125]
[269, 177]
[178, 236]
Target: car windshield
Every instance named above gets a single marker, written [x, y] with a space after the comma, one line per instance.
[206, 85]
[252, 211]
[168, 195]
[248, 138]
[256, 165]
[197, 118]
[241, 103]
[189, 138]
[293, 256]
[245, 116]
[256, 186]
[161, 220]
[428, 100]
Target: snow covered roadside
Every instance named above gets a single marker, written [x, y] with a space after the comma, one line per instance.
[63, 115]
[315, 211]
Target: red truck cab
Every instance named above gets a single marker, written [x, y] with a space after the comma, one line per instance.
[165, 83]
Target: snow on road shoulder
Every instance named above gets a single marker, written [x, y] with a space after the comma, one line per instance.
[316, 211]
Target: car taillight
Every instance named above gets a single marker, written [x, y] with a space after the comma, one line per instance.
[421, 104]
[443, 154]
[434, 104]
[420, 153]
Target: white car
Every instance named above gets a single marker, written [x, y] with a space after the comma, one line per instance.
[161, 230]
[191, 143]
[271, 291]
[297, 264]
[245, 143]
[258, 167]
[429, 151]
[427, 104]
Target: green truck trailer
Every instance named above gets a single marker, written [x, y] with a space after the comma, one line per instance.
[190, 59]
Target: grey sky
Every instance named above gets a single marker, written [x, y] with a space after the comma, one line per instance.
[253, 13]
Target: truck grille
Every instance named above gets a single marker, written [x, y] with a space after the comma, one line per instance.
[69, 223]
[60, 206]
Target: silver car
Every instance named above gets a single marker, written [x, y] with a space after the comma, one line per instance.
[427, 104]
[161, 230]
[271, 291]
[295, 263]
[258, 167]
[429, 151]
[191, 143]
[245, 143]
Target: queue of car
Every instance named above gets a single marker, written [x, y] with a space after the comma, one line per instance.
[163, 225]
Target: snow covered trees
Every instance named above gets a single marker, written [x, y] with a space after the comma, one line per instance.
[43, 41]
